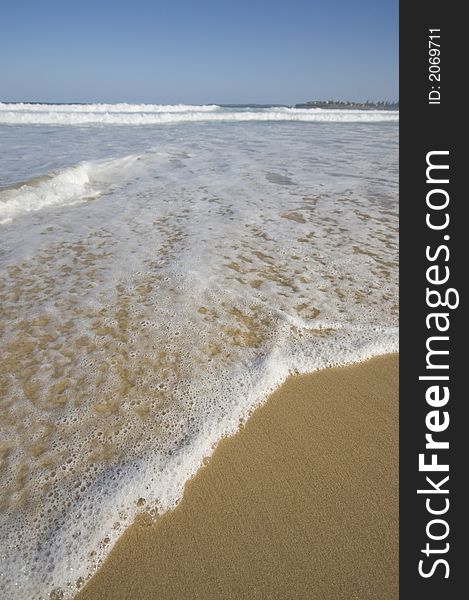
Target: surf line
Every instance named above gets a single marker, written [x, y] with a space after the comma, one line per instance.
[439, 299]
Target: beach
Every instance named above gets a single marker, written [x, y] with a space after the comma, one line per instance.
[164, 270]
[301, 503]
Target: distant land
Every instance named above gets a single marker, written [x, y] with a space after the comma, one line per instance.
[383, 105]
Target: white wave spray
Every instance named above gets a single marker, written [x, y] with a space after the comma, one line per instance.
[151, 114]
[84, 181]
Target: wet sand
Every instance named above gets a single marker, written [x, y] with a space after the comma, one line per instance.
[301, 503]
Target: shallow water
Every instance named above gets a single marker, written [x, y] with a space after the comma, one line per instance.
[157, 283]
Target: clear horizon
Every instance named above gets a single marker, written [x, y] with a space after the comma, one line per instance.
[219, 53]
[223, 104]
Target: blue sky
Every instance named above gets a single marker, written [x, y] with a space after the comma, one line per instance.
[198, 51]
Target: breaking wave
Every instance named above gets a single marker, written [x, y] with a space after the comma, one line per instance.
[156, 114]
[81, 182]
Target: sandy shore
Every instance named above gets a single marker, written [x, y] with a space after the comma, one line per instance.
[302, 503]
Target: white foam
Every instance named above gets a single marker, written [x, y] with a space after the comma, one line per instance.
[105, 108]
[141, 114]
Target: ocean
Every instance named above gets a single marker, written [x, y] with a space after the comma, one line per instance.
[163, 269]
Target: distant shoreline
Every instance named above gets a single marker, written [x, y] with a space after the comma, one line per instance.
[338, 104]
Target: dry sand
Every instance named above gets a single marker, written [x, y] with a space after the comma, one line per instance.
[301, 503]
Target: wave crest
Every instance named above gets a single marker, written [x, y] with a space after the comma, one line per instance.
[81, 182]
[157, 114]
